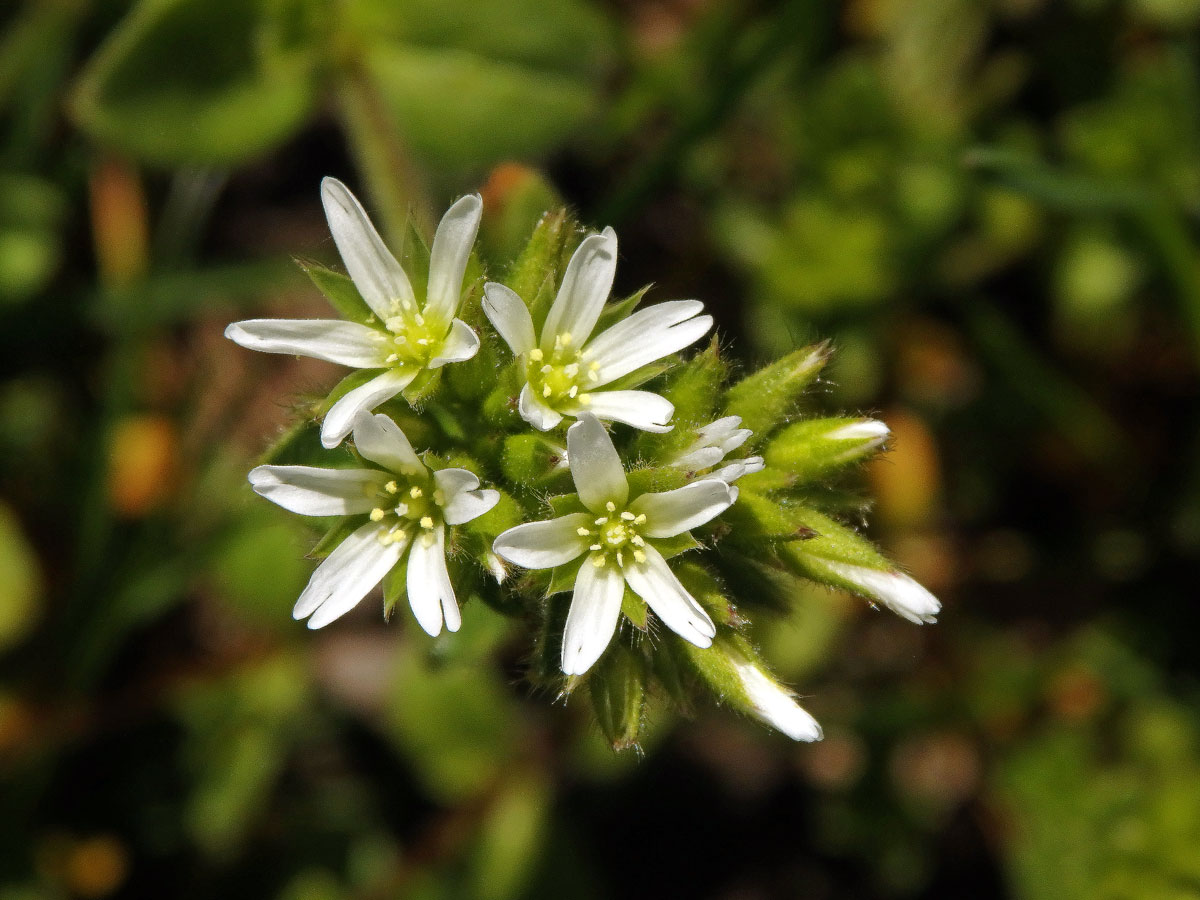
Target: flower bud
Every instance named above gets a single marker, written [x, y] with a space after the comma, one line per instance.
[766, 398]
[618, 690]
[807, 450]
[530, 458]
[838, 556]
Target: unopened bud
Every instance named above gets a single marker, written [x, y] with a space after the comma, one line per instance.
[766, 398]
[810, 449]
[774, 704]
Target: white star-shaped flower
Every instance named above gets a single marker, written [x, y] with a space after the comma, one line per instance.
[406, 335]
[407, 508]
[567, 367]
[615, 543]
[713, 442]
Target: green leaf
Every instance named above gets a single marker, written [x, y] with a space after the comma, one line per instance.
[198, 81]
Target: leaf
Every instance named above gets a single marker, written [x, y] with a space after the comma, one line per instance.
[198, 81]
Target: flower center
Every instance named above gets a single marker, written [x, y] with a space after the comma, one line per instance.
[415, 339]
[615, 537]
[562, 375]
[406, 506]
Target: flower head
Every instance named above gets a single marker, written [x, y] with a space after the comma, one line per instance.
[406, 509]
[614, 540]
[566, 369]
[406, 334]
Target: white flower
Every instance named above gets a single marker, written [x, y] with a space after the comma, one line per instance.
[713, 442]
[774, 704]
[616, 540]
[406, 335]
[895, 590]
[567, 367]
[407, 509]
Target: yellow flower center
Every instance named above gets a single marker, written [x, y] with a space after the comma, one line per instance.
[615, 537]
[562, 375]
[405, 506]
[415, 339]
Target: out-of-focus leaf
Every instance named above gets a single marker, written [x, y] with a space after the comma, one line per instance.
[20, 581]
[471, 84]
[510, 838]
[198, 81]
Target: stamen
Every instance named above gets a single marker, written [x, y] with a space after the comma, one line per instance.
[546, 369]
[593, 376]
[377, 515]
[601, 521]
[572, 370]
[627, 516]
[637, 541]
[585, 400]
[596, 547]
[598, 561]
[566, 338]
[392, 357]
[424, 342]
[420, 319]
[610, 506]
[546, 391]
[415, 492]
[395, 323]
[426, 522]
[536, 354]
[639, 556]
[640, 520]
[573, 391]
[399, 339]
[401, 509]
[391, 487]
[620, 561]
[582, 532]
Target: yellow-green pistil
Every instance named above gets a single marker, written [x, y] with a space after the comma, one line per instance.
[403, 505]
[564, 375]
[615, 537]
[415, 339]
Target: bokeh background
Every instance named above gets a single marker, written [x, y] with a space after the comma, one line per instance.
[990, 206]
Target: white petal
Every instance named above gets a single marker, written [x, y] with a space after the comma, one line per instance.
[673, 512]
[430, 593]
[641, 409]
[461, 344]
[544, 545]
[899, 593]
[698, 459]
[463, 500]
[356, 565]
[347, 343]
[735, 470]
[318, 492]
[535, 412]
[595, 608]
[380, 440]
[647, 335]
[340, 418]
[510, 316]
[595, 466]
[717, 430]
[775, 705]
[373, 269]
[655, 583]
[863, 430]
[585, 287]
[448, 259]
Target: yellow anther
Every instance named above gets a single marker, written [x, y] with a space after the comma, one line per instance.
[640, 520]
[546, 391]
[424, 342]
[596, 547]
[639, 556]
[420, 319]
[439, 497]
[566, 338]
[546, 369]
[637, 541]
[585, 400]
[415, 492]
[395, 323]
[582, 532]
[610, 506]
[593, 376]
[573, 391]
[535, 354]
[391, 487]
[593, 366]
[572, 370]
[401, 509]
[598, 562]
[601, 521]
[627, 516]
[377, 515]
[399, 339]
[620, 560]
[426, 522]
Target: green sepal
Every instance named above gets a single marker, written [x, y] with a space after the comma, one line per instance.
[803, 450]
[655, 480]
[634, 608]
[395, 587]
[755, 520]
[617, 685]
[299, 443]
[423, 387]
[339, 290]
[565, 504]
[446, 421]
[506, 514]
[338, 532]
[500, 404]
[355, 379]
[621, 309]
[707, 591]
[535, 274]
[673, 546]
[546, 668]
[638, 377]
[716, 667]
[767, 397]
[562, 578]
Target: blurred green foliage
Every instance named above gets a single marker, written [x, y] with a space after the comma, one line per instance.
[990, 208]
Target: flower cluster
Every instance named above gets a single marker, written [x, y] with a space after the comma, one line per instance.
[678, 536]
